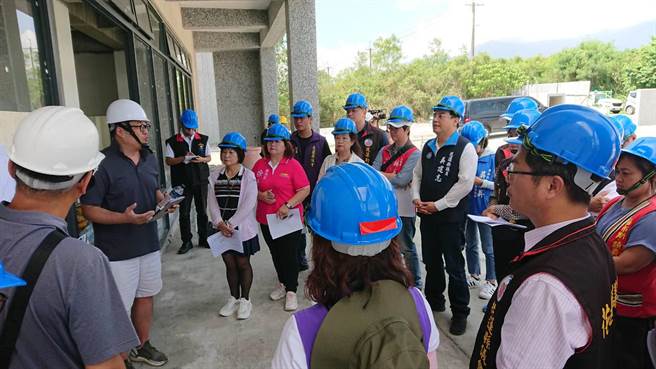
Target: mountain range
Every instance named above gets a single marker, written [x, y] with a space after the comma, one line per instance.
[624, 38]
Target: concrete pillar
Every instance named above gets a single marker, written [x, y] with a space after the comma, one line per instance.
[269, 71]
[239, 92]
[302, 54]
[63, 54]
[207, 104]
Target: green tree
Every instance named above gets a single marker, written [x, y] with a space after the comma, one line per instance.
[641, 72]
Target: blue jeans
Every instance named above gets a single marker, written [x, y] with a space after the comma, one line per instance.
[472, 232]
[408, 248]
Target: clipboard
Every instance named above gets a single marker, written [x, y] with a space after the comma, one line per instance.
[163, 207]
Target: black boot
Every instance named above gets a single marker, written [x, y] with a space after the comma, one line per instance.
[186, 246]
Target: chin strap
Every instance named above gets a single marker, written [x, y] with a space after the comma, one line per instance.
[144, 146]
[644, 180]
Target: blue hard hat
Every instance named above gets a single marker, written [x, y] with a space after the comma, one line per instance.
[8, 280]
[302, 109]
[356, 100]
[627, 123]
[474, 131]
[401, 116]
[618, 125]
[233, 140]
[576, 134]
[521, 118]
[519, 103]
[277, 132]
[273, 119]
[189, 119]
[355, 207]
[643, 147]
[451, 103]
[344, 126]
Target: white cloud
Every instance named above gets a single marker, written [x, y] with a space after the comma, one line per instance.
[523, 20]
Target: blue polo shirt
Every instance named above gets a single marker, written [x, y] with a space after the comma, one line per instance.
[118, 184]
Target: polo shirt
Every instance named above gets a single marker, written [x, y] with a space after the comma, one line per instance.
[287, 178]
[119, 183]
[75, 316]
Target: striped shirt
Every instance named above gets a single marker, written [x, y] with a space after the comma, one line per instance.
[227, 194]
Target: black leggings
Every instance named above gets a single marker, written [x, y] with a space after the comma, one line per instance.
[239, 273]
[284, 254]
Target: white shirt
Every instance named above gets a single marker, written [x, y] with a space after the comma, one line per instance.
[331, 160]
[7, 184]
[290, 353]
[188, 140]
[466, 175]
[545, 324]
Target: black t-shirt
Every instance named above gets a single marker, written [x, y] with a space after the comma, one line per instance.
[119, 183]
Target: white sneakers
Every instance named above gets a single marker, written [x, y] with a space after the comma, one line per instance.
[245, 308]
[242, 306]
[229, 308]
[487, 289]
[291, 303]
[473, 281]
[278, 293]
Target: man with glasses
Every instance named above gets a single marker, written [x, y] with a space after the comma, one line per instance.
[555, 309]
[187, 153]
[442, 181]
[120, 205]
[371, 138]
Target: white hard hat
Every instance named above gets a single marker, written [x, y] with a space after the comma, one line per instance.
[55, 141]
[124, 110]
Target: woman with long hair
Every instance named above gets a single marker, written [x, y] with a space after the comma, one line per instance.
[282, 186]
[626, 224]
[359, 282]
[347, 147]
[232, 210]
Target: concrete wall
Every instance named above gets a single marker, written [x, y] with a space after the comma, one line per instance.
[571, 92]
[239, 92]
[206, 88]
[96, 81]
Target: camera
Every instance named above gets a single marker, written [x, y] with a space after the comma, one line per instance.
[377, 114]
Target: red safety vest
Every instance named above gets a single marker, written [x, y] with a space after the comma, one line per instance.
[398, 164]
[636, 295]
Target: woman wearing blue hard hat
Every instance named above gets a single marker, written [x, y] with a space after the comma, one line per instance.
[629, 129]
[282, 186]
[232, 202]
[347, 147]
[359, 282]
[626, 224]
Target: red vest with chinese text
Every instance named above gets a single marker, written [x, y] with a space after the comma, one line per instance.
[636, 291]
[398, 164]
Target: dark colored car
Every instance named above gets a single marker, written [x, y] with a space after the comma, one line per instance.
[488, 110]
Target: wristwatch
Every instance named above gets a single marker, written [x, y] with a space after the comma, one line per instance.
[288, 206]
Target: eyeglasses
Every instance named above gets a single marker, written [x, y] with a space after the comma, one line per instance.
[144, 127]
[510, 172]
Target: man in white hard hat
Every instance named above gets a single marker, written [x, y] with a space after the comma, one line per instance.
[120, 206]
[71, 313]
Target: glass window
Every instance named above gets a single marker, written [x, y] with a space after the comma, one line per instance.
[125, 6]
[21, 58]
[157, 27]
[171, 45]
[163, 104]
[141, 9]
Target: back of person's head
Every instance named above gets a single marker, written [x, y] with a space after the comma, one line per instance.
[574, 142]
[354, 217]
[53, 148]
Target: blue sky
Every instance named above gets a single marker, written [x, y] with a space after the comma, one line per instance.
[346, 27]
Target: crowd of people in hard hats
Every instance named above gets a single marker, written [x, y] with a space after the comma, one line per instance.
[569, 265]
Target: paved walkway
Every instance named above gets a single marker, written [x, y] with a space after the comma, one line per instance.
[189, 330]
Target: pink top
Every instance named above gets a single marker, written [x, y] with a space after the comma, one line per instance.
[285, 180]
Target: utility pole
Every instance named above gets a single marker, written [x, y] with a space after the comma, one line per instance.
[370, 49]
[473, 5]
